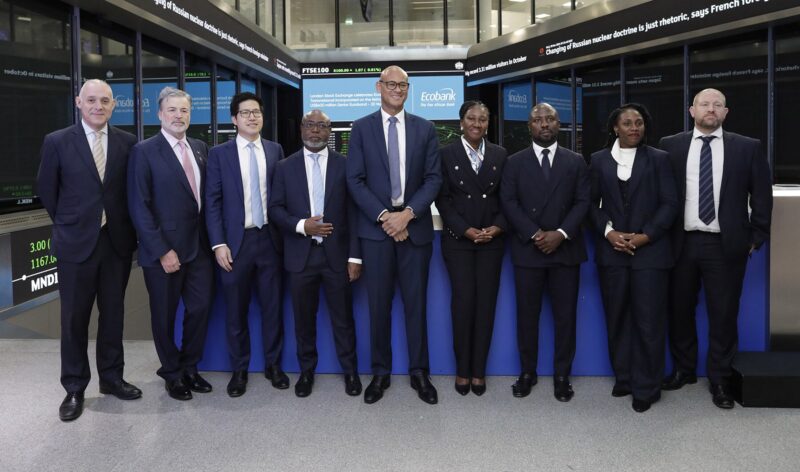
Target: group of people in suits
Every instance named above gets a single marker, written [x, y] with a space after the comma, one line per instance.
[665, 221]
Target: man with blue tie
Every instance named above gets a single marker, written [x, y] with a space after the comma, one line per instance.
[165, 189]
[246, 244]
[82, 185]
[320, 247]
[724, 183]
[393, 175]
[545, 196]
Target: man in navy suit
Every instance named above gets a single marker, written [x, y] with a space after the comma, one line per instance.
[724, 183]
[310, 204]
[165, 187]
[246, 244]
[545, 196]
[82, 185]
[393, 175]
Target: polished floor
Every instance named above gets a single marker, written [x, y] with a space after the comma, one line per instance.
[271, 430]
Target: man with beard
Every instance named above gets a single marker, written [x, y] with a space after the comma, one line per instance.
[545, 196]
[724, 183]
[310, 204]
[246, 246]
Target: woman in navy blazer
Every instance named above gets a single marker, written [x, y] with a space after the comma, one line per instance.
[634, 203]
[472, 241]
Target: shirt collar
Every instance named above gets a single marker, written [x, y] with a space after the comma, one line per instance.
[538, 149]
[697, 133]
[322, 153]
[173, 141]
[401, 117]
[481, 148]
[242, 142]
[89, 131]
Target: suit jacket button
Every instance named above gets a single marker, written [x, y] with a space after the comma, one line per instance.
[456, 167]
[484, 195]
[491, 183]
[460, 182]
[534, 210]
[494, 167]
[469, 196]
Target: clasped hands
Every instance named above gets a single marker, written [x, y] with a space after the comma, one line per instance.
[548, 241]
[627, 242]
[482, 236]
[395, 224]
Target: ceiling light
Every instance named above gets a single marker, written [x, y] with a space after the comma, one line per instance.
[542, 16]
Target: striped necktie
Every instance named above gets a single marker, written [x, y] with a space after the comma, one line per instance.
[99, 156]
[705, 204]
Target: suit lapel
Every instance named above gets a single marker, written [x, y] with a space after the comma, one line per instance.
[172, 162]
[232, 161]
[411, 138]
[380, 140]
[609, 170]
[84, 152]
[683, 152]
[640, 163]
[330, 175]
[534, 169]
[728, 153]
[558, 166]
[302, 178]
[462, 159]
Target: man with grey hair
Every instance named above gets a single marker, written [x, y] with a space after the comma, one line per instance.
[166, 176]
[82, 185]
[321, 247]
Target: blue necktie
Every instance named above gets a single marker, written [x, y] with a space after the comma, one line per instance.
[318, 187]
[256, 206]
[394, 159]
[705, 204]
[546, 164]
[475, 160]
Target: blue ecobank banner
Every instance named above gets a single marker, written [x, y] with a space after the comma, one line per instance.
[517, 101]
[201, 102]
[347, 99]
[560, 97]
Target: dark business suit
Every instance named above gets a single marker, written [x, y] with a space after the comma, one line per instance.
[167, 217]
[471, 200]
[532, 203]
[255, 252]
[718, 260]
[635, 288]
[310, 264]
[92, 262]
[386, 261]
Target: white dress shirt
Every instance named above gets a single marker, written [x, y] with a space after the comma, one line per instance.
[323, 164]
[468, 147]
[401, 144]
[537, 150]
[624, 157]
[173, 143]
[691, 219]
[244, 167]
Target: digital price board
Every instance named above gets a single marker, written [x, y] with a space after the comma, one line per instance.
[33, 267]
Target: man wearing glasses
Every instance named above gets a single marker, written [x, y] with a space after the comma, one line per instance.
[246, 245]
[393, 175]
[310, 204]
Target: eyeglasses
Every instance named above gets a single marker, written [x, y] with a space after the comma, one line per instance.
[391, 85]
[249, 113]
[320, 125]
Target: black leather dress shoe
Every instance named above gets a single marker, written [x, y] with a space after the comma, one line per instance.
[196, 383]
[640, 406]
[120, 389]
[677, 380]
[275, 374]
[478, 389]
[425, 389]
[72, 406]
[562, 389]
[620, 390]
[178, 390]
[304, 384]
[238, 384]
[721, 396]
[462, 389]
[352, 385]
[522, 387]
[377, 385]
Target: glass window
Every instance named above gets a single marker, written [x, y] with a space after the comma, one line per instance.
[547, 9]
[516, 15]
[656, 81]
[556, 89]
[279, 20]
[488, 19]
[248, 85]
[787, 102]
[159, 70]
[36, 93]
[736, 66]
[517, 103]
[419, 22]
[226, 88]
[598, 94]
[198, 85]
[265, 15]
[363, 24]
[461, 22]
[108, 55]
[310, 28]
[266, 97]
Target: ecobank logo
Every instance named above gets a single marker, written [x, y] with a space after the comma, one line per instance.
[518, 99]
[440, 98]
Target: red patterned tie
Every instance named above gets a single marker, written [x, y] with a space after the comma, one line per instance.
[187, 168]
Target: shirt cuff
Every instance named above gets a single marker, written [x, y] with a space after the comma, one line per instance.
[609, 228]
[413, 214]
[354, 260]
[301, 227]
[563, 232]
[381, 214]
[214, 248]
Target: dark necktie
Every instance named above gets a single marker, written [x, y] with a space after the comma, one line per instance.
[546, 164]
[705, 204]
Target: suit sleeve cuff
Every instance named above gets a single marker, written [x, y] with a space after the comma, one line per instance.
[301, 227]
[214, 248]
